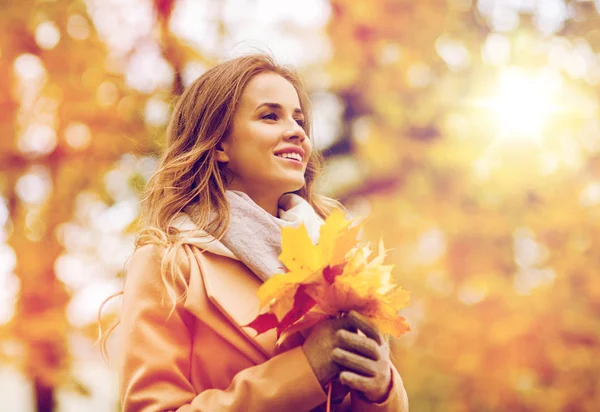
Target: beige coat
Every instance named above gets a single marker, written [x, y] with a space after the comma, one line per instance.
[201, 358]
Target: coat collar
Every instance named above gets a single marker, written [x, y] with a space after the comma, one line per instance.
[232, 289]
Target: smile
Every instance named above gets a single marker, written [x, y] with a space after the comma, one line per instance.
[293, 156]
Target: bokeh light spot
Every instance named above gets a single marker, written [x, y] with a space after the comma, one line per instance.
[47, 35]
[419, 75]
[496, 50]
[156, 112]
[453, 52]
[78, 135]
[78, 27]
[107, 94]
[37, 140]
[29, 67]
[35, 186]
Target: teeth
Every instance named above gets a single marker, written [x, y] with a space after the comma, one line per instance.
[294, 156]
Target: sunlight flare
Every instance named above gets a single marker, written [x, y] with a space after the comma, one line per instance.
[524, 103]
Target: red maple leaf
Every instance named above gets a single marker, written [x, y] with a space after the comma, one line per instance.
[330, 273]
[302, 304]
[264, 322]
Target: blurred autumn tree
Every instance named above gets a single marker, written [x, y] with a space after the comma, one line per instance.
[475, 131]
[67, 118]
[469, 132]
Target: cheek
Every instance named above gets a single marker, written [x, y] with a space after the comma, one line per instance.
[308, 147]
[264, 134]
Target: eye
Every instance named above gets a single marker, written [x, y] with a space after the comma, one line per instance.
[301, 123]
[270, 116]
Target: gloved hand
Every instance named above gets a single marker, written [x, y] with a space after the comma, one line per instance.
[334, 348]
[365, 359]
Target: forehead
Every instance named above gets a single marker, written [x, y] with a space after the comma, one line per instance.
[272, 88]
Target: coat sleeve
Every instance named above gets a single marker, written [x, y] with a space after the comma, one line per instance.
[397, 400]
[155, 357]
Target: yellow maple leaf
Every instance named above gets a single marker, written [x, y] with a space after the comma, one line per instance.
[337, 238]
[305, 261]
[386, 318]
[298, 253]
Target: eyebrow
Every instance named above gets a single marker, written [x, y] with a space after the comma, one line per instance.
[277, 106]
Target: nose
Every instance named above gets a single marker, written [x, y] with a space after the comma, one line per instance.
[296, 132]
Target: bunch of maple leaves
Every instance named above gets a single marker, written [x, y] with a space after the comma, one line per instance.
[331, 277]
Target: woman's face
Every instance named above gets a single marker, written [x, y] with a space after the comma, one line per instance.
[267, 149]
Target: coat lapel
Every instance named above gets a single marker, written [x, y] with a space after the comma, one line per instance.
[232, 288]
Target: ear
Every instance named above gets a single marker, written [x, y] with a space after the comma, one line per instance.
[221, 152]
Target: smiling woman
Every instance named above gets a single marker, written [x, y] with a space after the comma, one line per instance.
[238, 167]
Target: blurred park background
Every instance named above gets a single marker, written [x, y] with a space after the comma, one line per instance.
[468, 131]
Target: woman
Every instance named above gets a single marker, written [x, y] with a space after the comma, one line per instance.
[238, 165]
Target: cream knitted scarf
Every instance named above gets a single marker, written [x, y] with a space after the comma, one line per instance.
[253, 235]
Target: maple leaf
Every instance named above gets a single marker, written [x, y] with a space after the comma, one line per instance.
[337, 238]
[306, 261]
[302, 304]
[365, 286]
[330, 273]
[388, 322]
[264, 322]
[333, 276]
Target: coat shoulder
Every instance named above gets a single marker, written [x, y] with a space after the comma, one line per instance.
[151, 260]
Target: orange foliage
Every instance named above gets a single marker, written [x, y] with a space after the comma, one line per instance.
[493, 234]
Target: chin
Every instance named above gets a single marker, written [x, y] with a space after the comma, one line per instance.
[294, 187]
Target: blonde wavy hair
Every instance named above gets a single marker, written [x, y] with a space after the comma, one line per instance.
[189, 174]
